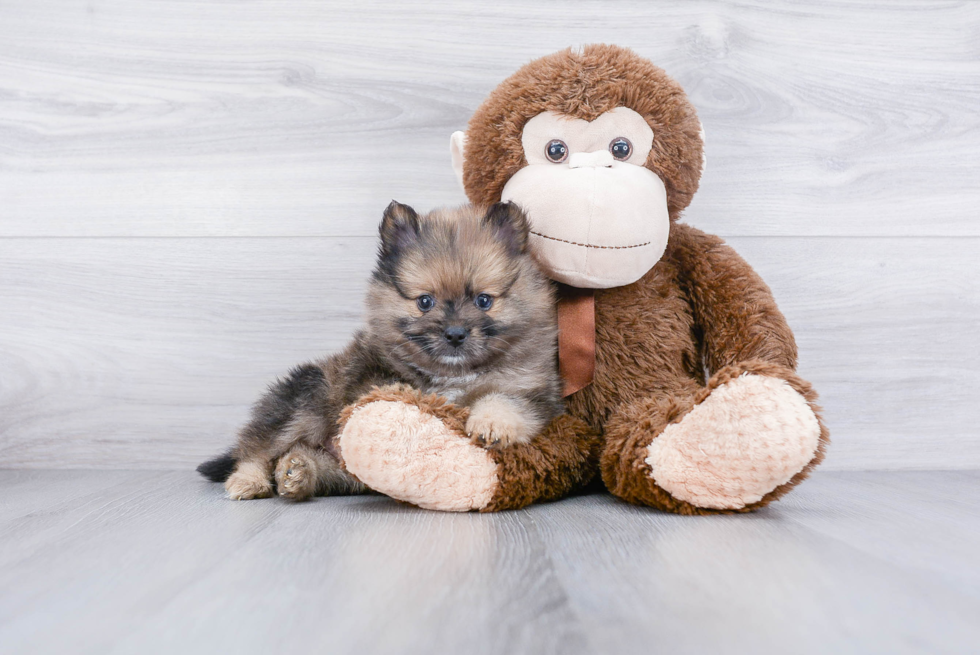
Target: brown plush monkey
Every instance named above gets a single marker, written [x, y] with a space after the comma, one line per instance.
[686, 398]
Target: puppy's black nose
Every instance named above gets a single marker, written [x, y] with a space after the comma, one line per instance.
[456, 335]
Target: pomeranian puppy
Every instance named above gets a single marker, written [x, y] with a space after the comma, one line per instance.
[456, 307]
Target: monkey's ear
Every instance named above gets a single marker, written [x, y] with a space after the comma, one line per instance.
[510, 223]
[457, 149]
[400, 228]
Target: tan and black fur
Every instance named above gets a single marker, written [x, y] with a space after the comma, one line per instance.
[497, 359]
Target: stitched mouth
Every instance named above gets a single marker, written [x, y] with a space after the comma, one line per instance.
[589, 245]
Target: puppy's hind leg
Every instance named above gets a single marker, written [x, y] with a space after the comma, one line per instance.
[306, 471]
[252, 479]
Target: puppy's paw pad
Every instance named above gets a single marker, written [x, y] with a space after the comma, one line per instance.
[296, 476]
[246, 485]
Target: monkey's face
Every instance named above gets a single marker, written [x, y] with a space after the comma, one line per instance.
[600, 147]
[598, 215]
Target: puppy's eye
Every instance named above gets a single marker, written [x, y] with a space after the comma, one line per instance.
[556, 151]
[425, 302]
[484, 301]
[621, 148]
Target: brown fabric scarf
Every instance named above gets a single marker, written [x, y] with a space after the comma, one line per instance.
[576, 337]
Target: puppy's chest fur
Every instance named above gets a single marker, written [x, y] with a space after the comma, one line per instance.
[453, 388]
[461, 388]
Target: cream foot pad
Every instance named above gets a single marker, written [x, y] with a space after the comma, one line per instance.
[400, 451]
[746, 438]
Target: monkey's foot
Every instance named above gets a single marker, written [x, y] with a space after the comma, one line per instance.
[414, 448]
[748, 438]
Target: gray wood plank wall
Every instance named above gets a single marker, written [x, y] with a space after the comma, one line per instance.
[189, 194]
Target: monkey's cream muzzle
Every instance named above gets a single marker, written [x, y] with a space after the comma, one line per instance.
[596, 226]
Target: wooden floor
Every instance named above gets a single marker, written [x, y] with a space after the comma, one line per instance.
[126, 562]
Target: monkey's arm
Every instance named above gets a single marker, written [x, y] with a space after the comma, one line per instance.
[733, 307]
[752, 432]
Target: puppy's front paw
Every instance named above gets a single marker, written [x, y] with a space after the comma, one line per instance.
[249, 481]
[296, 476]
[495, 422]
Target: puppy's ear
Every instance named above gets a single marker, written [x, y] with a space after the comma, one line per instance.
[510, 223]
[400, 228]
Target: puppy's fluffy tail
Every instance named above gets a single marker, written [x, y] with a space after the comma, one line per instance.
[218, 469]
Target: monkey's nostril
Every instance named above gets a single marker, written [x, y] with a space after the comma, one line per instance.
[456, 335]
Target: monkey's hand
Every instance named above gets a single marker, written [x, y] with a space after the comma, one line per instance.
[498, 421]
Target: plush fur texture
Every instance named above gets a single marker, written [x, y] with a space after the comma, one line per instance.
[484, 337]
[679, 337]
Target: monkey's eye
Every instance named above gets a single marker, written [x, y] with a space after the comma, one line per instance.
[484, 301]
[425, 302]
[621, 148]
[556, 151]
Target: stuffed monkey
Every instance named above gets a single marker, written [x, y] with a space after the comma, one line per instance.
[679, 368]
